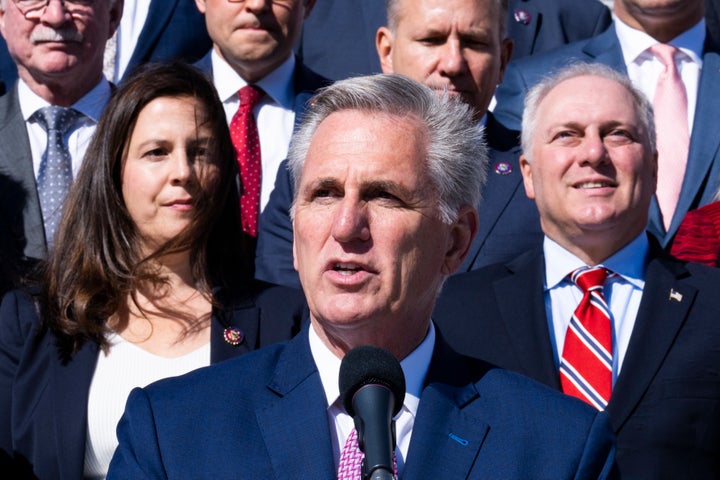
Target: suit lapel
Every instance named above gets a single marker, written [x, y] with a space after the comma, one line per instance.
[663, 309]
[605, 48]
[70, 387]
[159, 13]
[524, 34]
[442, 428]
[243, 316]
[703, 144]
[294, 424]
[526, 321]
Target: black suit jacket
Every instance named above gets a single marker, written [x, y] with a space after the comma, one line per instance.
[665, 407]
[473, 421]
[43, 399]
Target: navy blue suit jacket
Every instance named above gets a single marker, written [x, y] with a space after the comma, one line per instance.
[664, 406]
[265, 416]
[509, 221]
[173, 30]
[338, 39]
[702, 177]
[43, 399]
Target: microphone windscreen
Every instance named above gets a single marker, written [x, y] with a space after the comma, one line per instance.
[370, 365]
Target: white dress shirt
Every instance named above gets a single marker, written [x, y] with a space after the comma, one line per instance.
[644, 68]
[622, 293]
[133, 19]
[414, 366]
[274, 114]
[78, 138]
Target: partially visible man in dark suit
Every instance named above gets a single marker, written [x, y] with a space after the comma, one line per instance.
[253, 47]
[626, 46]
[461, 46]
[387, 183]
[58, 50]
[338, 40]
[155, 31]
[651, 343]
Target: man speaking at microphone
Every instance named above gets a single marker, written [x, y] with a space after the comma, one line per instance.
[388, 174]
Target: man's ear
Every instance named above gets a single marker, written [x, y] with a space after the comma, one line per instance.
[526, 170]
[506, 50]
[116, 11]
[200, 4]
[384, 45]
[309, 5]
[462, 233]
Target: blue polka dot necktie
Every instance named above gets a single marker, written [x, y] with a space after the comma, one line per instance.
[55, 176]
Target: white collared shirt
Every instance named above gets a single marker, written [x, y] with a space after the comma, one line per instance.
[135, 13]
[78, 138]
[622, 292]
[644, 68]
[414, 366]
[274, 114]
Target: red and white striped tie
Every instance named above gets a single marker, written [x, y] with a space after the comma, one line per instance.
[586, 362]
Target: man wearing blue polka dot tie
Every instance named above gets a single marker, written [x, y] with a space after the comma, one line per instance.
[49, 115]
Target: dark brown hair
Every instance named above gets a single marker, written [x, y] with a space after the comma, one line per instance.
[97, 259]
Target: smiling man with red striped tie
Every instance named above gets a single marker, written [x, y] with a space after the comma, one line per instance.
[600, 311]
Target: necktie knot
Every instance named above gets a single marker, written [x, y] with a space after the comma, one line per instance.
[54, 118]
[589, 278]
[665, 53]
[249, 96]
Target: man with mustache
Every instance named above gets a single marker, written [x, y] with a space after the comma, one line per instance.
[252, 61]
[58, 48]
[460, 46]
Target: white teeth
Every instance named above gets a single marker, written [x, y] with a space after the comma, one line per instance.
[592, 185]
[346, 268]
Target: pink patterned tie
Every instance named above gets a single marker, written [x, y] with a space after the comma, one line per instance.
[673, 137]
[586, 362]
[350, 459]
[350, 467]
[244, 134]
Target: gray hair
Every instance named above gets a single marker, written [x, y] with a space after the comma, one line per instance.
[535, 96]
[456, 151]
[2, 4]
[392, 11]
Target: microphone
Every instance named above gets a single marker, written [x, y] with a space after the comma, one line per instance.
[372, 389]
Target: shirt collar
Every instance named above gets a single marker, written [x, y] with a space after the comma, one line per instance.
[414, 366]
[634, 43]
[278, 84]
[629, 262]
[91, 104]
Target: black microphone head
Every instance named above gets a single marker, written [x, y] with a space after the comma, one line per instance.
[370, 365]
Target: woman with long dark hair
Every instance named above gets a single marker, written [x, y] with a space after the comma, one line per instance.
[149, 277]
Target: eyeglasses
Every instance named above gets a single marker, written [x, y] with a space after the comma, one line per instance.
[34, 6]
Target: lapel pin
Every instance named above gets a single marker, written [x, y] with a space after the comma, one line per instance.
[233, 335]
[522, 16]
[503, 168]
[675, 295]
[459, 440]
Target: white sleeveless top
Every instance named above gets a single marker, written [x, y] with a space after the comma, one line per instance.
[125, 367]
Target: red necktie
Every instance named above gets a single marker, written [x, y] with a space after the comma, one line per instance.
[673, 137]
[244, 133]
[586, 362]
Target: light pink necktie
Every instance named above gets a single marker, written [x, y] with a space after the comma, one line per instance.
[671, 124]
